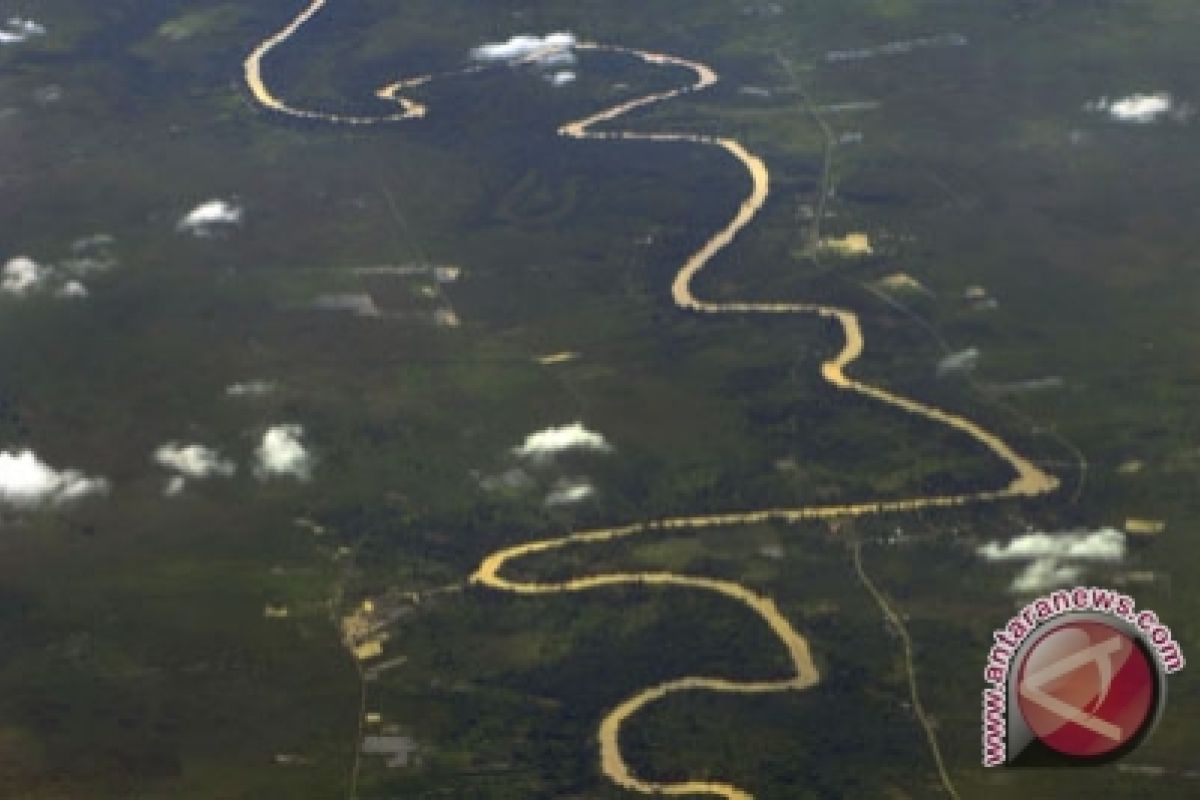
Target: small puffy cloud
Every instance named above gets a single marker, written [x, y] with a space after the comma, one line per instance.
[190, 461]
[568, 491]
[72, 289]
[1044, 574]
[555, 49]
[22, 275]
[193, 460]
[1139, 109]
[553, 54]
[253, 388]
[27, 481]
[18, 29]
[282, 453]
[1055, 558]
[205, 218]
[545, 444]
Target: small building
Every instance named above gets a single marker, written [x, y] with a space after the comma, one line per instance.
[1144, 527]
[399, 750]
[359, 304]
[901, 282]
[852, 244]
[447, 274]
[557, 358]
[368, 650]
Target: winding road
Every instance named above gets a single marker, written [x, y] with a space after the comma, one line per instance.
[1028, 480]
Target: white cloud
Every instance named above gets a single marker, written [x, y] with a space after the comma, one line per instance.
[18, 29]
[570, 490]
[193, 460]
[72, 290]
[283, 453]
[26, 481]
[1055, 558]
[555, 49]
[1106, 544]
[545, 444]
[206, 217]
[553, 54]
[22, 275]
[1044, 574]
[1140, 109]
[175, 485]
[254, 388]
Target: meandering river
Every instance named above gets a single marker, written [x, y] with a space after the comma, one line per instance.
[1028, 480]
